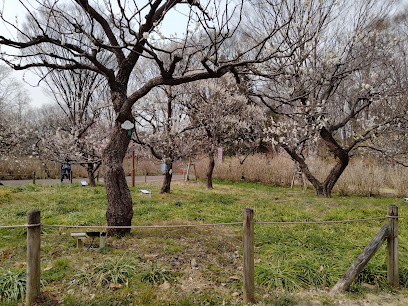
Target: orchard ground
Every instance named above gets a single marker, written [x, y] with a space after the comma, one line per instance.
[294, 264]
[138, 179]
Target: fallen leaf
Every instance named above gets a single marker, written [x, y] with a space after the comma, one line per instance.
[235, 277]
[368, 286]
[165, 285]
[115, 286]
[193, 263]
[321, 269]
[236, 294]
[151, 256]
[49, 267]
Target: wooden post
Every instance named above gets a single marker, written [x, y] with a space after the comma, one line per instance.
[195, 172]
[97, 177]
[344, 283]
[33, 257]
[145, 177]
[80, 243]
[34, 178]
[133, 166]
[70, 176]
[188, 170]
[392, 246]
[248, 253]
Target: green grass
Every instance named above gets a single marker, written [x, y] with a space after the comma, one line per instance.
[12, 285]
[155, 266]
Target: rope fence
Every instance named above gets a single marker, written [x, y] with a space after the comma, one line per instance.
[202, 225]
[388, 233]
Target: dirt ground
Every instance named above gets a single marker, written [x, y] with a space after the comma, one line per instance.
[138, 179]
[321, 297]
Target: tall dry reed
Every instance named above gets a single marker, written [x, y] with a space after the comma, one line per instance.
[366, 176]
[256, 168]
[362, 176]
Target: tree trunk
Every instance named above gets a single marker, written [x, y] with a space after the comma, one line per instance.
[120, 210]
[210, 171]
[91, 174]
[341, 165]
[188, 170]
[323, 189]
[168, 174]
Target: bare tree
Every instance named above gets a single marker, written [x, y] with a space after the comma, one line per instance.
[80, 97]
[131, 31]
[13, 97]
[223, 117]
[163, 127]
[336, 89]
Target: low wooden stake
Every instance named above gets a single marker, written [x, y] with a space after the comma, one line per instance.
[392, 247]
[34, 178]
[248, 254]
[344, 283]
[33, 257]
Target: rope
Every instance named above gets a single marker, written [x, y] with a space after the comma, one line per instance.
[199, 225]
[22, 225]
[141, 226]
[396, 217]
[323, 222]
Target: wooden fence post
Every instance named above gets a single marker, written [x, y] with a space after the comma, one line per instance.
[33, 257]
[248, 254]
[70, 176]
[392, 246]
[357, 266]
[34, 178]
[133, 167]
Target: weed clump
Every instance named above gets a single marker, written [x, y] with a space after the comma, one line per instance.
[12, 285]
[152, 273]
[110, 273]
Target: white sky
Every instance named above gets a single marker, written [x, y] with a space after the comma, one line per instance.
[12, 9]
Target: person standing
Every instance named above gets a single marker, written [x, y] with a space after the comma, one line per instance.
[65, 170]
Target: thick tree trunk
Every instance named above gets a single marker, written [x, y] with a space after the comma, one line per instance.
[167, 177]
[341, 165]
[210, 171]
[120, 210]
[323, 189]
[91, 174]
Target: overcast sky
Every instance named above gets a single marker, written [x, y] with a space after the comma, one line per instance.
[12, 10]
[174, 21]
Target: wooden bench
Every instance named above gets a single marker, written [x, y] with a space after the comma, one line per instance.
[80, 236]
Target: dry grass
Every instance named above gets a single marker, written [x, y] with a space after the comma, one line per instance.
[23, 168]
[363, 176]
[200, 266]
[256, 168]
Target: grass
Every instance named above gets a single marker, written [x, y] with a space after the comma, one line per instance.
[12, 285]
[194, 266]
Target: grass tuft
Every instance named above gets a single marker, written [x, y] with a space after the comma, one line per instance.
[107, 274]
[12, 285]
[153, 273]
